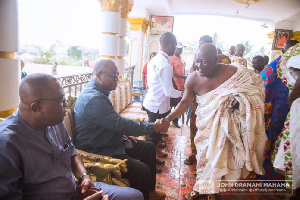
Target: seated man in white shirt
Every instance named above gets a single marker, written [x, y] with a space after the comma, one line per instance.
[159, 81]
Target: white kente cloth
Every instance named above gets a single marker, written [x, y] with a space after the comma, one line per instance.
[238, 61]
[295, 138]
[230, 143]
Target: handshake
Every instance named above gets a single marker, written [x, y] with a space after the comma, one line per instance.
[162, 125]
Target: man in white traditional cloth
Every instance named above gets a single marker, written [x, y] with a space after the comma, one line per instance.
[237, 59]
[231, 137]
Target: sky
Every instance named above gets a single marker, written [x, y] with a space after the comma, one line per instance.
[231, 31]
[76, 22]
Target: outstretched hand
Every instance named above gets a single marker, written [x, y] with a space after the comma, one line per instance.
[127, 137]
[162, 125]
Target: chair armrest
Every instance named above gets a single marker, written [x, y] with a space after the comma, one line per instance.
[101, 171]
[105, 160]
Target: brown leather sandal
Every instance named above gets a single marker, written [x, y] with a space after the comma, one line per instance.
[190, 160]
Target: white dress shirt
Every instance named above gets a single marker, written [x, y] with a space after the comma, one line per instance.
[160, 86]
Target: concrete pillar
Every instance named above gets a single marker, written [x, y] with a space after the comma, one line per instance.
[114, 15]
[125, 10]
[110, 28]
[137, 32]
[10, 71]
[153, 45]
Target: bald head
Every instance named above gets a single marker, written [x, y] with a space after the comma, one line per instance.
[34, 87]
[102, 64]
[206, 60]
[42, 101]
[106, 74]
[209, 50]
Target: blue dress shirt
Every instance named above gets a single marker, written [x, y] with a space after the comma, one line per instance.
[99, 128]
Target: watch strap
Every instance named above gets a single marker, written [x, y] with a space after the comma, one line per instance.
[82, 175]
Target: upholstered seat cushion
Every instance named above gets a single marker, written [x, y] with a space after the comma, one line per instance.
[134, 111]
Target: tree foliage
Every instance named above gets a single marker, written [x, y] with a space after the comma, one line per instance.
[216, 41]
[262, 51]
[75, 52]
[248, 47]
[46, 55]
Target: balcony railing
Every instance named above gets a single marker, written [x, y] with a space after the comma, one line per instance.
[73, 84]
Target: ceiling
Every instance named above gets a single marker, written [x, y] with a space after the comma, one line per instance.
[267, 11]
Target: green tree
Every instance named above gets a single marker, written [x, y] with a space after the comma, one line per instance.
[248, 47]
[90, 53]
[75, 52]
[262, 51]
[216, 41]
[46, 55]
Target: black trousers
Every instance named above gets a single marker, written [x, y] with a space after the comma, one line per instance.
[141, 166]
[175, 121]
[174, 103]
[152, 117]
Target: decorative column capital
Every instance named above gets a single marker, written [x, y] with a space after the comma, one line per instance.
[271, 36]
[126, 8]
[137, 24]
[110, 5]
[296, 36]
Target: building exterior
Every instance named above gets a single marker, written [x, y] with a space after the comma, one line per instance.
[122, 17]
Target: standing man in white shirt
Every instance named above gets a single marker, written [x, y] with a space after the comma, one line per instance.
[160, 86]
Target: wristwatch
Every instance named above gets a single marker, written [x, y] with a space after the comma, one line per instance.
[82, 175]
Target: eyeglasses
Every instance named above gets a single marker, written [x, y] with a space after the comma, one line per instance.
[113, 75]
[62, 101]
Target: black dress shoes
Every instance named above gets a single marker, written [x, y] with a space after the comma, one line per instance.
[160, 153]
[161, 144]
[176, 124]
[158, 171]
[160, 162]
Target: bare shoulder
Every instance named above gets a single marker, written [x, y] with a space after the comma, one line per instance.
[193, 77]
[190, 80]
[229, 70]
